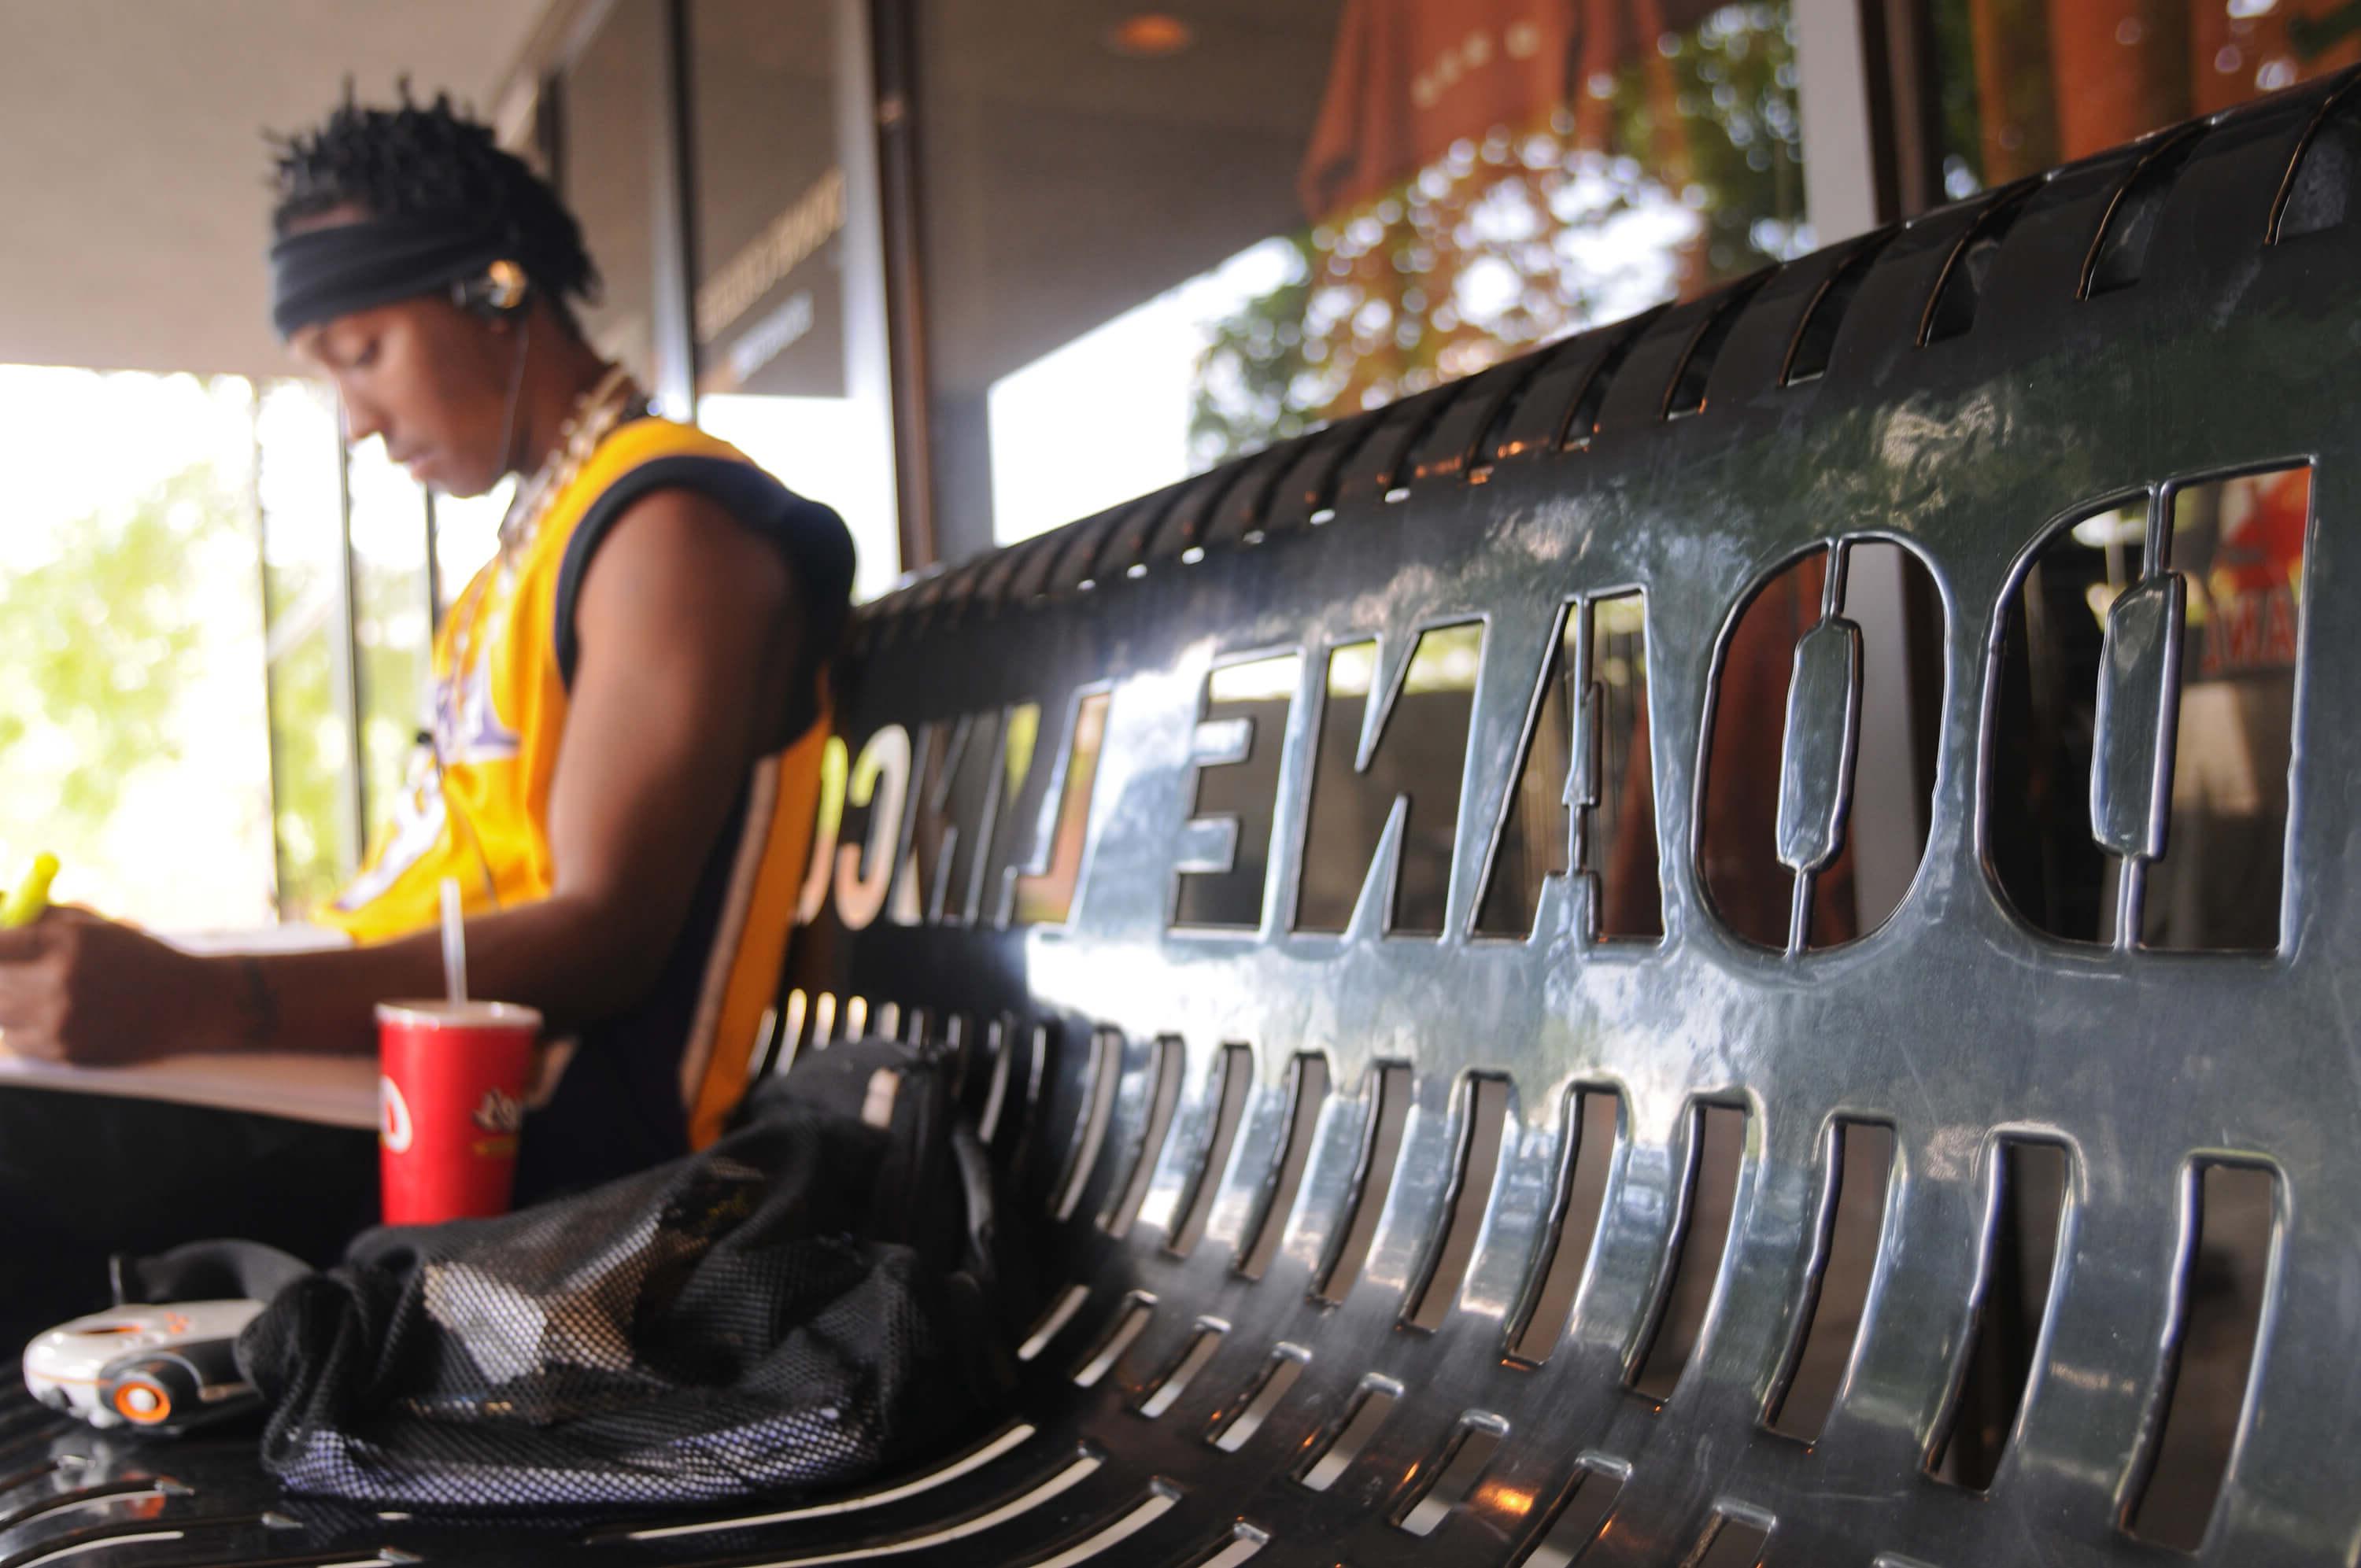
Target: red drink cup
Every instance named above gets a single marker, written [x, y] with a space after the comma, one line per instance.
[451, 1086]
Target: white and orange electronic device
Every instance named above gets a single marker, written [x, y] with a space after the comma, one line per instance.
[151, 1368]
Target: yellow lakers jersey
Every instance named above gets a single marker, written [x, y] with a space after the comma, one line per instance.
[662, 1078]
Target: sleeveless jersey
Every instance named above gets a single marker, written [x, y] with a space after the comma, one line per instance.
[660, 1078]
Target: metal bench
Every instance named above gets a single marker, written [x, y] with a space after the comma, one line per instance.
[1518, 1243]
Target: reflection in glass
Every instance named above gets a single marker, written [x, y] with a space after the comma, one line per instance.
[1138, 266]
[2238, 545]
[784, 371]
[1559, 171]
[2029, 84]
[608, 177]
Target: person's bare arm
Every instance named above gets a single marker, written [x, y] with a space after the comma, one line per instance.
[685, 645]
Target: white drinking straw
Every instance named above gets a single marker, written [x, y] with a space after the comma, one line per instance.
[454, 942]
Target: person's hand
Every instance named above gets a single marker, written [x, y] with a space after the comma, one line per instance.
[77, 987]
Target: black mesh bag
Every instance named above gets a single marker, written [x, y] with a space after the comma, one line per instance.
[804, 1305]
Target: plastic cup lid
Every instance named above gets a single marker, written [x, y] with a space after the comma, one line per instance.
[441, 1014]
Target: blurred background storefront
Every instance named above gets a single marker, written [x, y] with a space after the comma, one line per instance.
[966, 269]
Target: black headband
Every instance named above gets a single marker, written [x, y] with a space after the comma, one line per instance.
[325, 273]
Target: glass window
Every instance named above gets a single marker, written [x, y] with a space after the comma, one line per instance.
[2027, 83]
[466, 534]
[392, 614]
[131, 626]
[309, 751]
[608, 176]
[1152, 243]
[397, 604]
[790, 349]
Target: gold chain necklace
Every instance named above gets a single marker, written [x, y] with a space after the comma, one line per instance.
[595, 414]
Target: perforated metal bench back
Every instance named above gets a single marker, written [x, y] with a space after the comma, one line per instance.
[1321, 1289]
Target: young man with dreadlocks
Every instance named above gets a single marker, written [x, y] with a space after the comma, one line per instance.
[628, 708]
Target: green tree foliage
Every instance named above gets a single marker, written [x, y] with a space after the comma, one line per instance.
[308, 762]
[1682, 170]
[1954, 27]
[1255, 383]
[1734, 80]
[100, 641]
[125, 634]
[310, 751]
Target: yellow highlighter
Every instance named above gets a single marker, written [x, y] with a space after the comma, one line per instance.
[30, 898]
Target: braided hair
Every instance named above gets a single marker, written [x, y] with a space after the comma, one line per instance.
[431, 160]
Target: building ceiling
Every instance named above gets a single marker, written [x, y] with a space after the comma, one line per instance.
[133, 191]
